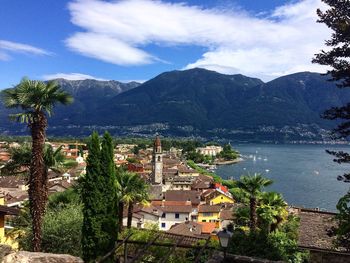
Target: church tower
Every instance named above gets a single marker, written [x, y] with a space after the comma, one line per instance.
[157, 162]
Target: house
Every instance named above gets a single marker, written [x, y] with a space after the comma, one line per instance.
[135, 167]
[209, 213]
[202, 183]
[183, 195]
[143, 216]
[217, 196]
[6, 211]
[182, 170]
[172, 214]
[226, 217]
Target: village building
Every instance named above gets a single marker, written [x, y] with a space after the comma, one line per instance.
[217, 196]
[211, 150]
[4, 212]
[209, 213]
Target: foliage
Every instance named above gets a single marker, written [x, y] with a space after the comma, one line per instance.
[278, 245]
[131, 188]
[156, 253]
[253, 185]
[108, 174]
[97, 237]
[337, 18]
[36, 99]
[228, 153]
[197, 157]
[132, 160]
[61, 225]
[21, 157]
[342, 231]
[61, 231]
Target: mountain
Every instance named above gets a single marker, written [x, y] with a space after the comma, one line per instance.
[205, 103]
[89, 96]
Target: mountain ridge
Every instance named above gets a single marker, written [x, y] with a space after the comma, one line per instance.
[199, 102]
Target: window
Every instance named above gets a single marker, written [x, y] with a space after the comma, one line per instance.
[163, 215]
[204, 220]
[163, 225]
[222, 198]
[207, 214]
[177, 215]
[158, 158]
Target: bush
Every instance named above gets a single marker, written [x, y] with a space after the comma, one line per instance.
[278, 245]
[61, 231]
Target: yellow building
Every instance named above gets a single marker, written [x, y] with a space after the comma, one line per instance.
[4, 211]
[218, 197]
[209, 213]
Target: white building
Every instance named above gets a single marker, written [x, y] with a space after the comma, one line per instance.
[211, 150]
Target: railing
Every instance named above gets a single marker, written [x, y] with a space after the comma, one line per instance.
[179, 241]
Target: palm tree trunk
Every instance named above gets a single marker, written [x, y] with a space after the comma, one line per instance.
[253, 216]
[120, 216]
[130, 210]
[37, 179]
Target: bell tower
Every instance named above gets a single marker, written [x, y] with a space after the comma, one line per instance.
[157, 162]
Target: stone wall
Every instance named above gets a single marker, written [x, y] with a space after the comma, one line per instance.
[218, 257]
[34, 257]
[326, 257]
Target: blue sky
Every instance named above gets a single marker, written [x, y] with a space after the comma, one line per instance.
[138, 39]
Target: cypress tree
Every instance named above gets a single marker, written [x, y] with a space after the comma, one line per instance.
[108, 174]
[93, 237]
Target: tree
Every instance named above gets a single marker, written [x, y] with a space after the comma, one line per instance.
[272, 210]
[36, 99]
[343, 229]
[109, 191]
[337, 18]
[139, 194]
[253, 185]
[99, 199]
[337, 57]
[130, 188]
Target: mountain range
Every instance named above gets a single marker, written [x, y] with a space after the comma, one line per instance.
[198, 103]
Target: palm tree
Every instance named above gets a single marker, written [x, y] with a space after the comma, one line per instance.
[130, 189]
[19, 163]
[138, 195]
[272, 209]
[36, 99]
[253, 185]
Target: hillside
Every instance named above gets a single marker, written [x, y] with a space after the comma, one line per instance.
[199, 102]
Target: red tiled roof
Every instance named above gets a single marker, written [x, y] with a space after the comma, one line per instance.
[207, 227]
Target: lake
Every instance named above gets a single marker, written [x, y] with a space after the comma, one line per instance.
[304, 174]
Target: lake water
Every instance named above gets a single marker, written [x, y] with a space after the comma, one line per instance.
[304, 174]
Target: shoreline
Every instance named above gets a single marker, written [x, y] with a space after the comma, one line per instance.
[239, 159]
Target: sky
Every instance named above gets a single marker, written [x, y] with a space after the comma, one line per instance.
[135, 40]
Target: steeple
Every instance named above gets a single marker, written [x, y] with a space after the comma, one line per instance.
[157, 162]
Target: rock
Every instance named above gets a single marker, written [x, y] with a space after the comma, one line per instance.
[5, 250]
[36, 257]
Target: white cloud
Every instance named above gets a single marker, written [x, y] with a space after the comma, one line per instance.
[237, 42]
[70, 76]
[8, 47]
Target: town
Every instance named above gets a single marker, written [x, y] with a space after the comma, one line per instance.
[183, 197]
